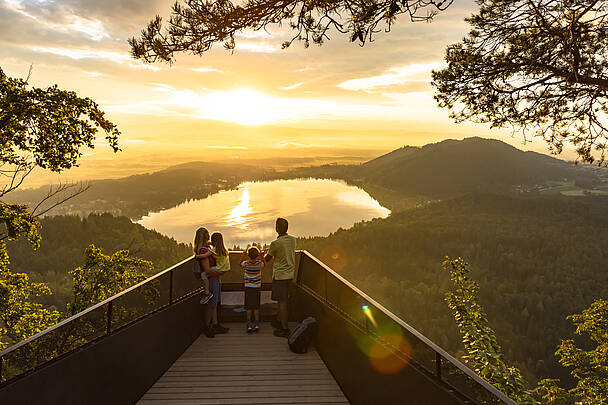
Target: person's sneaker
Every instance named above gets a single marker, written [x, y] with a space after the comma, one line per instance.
[206, 298]
[275, 323]
[219, 329]
[249, 327]
[209, 332]
[256, 327]
[281, 333]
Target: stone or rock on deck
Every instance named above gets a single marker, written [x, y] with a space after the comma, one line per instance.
[237, 368]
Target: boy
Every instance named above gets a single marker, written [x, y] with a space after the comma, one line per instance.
[252, 270]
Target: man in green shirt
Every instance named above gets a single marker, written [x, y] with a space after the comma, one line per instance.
[282, 252]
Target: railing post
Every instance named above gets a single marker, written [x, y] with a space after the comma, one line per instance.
[109, 325]
[438, 365]
[171, 287]
[325, 282]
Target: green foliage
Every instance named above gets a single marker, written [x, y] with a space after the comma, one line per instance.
[50, 125]
[43, 128]
[537, 66]
[16, 220]
[195, 25]
[65, 238]
[484, 355]
[482, 351]
[103, 276]
[20, 317]
[590, 367]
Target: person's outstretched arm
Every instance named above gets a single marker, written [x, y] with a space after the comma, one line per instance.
[269, 254]
[203, 255]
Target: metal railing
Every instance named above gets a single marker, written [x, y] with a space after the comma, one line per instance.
[177, 283]
[368, 315]
[151, 295]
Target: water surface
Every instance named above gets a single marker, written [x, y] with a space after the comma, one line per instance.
[313, 207]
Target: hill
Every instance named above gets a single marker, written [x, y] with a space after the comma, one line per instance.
[135, 196]
[410, 175]
[537, 259]
[472, 165]
[64, 239]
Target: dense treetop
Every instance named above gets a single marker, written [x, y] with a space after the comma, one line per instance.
[195, 25]
[538, 66]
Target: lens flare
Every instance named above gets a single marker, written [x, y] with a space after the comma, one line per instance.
[368, 313]
[390, 354]
[334, 256]
[387, 349]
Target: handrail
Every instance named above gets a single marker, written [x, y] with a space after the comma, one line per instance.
[90, 309]
[438, 350]
[485, 384]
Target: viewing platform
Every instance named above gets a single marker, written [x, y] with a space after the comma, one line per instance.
[145, 346]
[241, 368]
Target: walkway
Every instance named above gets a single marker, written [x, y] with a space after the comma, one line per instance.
[238, 368]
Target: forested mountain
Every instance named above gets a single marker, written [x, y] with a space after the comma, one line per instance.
[64, 239]
[137, 195]
[537, 259]
[453, 167]
[471, 165]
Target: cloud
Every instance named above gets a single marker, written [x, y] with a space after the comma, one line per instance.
[205, 69]
[258, 47]
[293, 86]
[85, 53]
[251, 107]
[64, 22]
[298, 145]
[396, 75]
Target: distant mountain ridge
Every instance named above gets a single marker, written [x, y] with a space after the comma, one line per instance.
[438, 170]
[471, 165]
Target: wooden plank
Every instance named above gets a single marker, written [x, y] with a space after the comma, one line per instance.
[251, 395]
[243, 382]
[246, 388]
[215, 378]
[318, 400]
[241, 368]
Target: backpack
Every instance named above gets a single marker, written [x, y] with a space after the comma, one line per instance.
[303, 335]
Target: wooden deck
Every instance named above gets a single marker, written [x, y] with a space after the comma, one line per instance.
[237, 368]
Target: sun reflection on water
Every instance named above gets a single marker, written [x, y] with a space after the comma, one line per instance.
[247, 214]
[238, 216]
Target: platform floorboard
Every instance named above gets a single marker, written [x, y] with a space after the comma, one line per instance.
[241, 368]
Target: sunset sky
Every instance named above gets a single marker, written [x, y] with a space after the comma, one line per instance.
[336, 100]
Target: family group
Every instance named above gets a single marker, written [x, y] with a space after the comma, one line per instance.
[213, 257]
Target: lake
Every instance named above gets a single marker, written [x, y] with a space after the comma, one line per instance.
[313, 207]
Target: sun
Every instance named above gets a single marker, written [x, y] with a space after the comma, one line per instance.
[242, 106]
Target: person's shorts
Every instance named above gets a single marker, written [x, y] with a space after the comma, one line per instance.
[280, 290]
[214, 288]
[252, 298]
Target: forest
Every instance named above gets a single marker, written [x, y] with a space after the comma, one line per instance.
[63, 244]
[537, 260]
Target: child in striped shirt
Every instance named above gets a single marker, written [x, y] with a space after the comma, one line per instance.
[252, 270]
